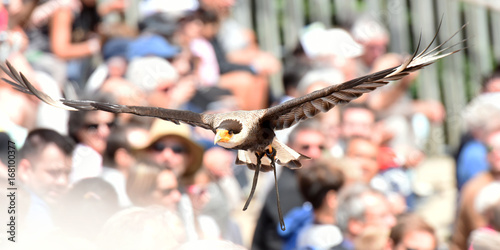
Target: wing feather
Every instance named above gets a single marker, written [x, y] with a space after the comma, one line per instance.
[291, 112]
[22, 84]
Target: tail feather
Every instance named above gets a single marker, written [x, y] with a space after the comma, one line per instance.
[284, 156]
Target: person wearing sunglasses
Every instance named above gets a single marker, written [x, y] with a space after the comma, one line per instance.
[171, 147]
[90, 129]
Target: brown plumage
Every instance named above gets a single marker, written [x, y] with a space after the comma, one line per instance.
[252, 132]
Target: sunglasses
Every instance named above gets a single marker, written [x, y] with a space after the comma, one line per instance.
[95, 126]
[307, 147]
[176, 148]
[167, 191]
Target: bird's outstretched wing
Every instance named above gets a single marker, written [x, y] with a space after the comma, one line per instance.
[21, 83]
[291, 112]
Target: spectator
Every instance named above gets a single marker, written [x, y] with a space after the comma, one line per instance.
[492, 83]
[374, 38]
[306, 138]
[119, 157]
[147, 228]
[373, 239]
[171, 146]
[239, 43]
[207, 227]
[86, 207]
[18, 111]
[224, 190]
[361, 207]
[393, 184]
[469, 219]
[412, 232]
[357, 120]
[246, 76]
[471, 156]
[156, 77]
[397, 113]
[142, 182]
[90, 129]
[487, 204]
[44, 169]
[320, 185]
[67, 31]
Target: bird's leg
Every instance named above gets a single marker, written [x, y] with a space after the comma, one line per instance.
[255, 177]
[271, 153]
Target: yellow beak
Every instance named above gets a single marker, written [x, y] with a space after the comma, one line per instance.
[222, 135]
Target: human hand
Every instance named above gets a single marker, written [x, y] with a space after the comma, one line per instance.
[266, 64]
[433, 110]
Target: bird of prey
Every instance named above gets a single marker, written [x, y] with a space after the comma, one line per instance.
[252, 132]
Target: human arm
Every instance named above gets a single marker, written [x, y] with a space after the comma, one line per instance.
[60, 37]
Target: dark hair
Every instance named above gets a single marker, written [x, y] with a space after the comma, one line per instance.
[206, 16]
[77, 119]
[317, 180]
[4, 147]
[39, 139]
[408, 223]
[294, 71]
[87, 206]
[486, 81]
[116, 140]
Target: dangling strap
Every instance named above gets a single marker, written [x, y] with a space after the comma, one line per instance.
[255, 178]
[280, 214]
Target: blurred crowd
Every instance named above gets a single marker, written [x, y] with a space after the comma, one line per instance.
[97, 180]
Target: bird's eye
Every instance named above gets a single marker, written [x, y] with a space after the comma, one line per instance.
[230, 132]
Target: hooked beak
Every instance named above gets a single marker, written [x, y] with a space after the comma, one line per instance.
[222, 135]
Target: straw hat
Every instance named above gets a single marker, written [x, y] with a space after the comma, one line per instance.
[162, 128]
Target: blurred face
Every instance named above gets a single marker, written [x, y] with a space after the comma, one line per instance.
[198, 192]
[493, 145]
[357, 122]
[310, 143]
[378, 213]
[162, 95]
[47, 175]
[96, 130]
[365, 153]
[220, 6]
[417, 240]
[167, 191]
[374, 49]
[172, 153]
[493, 85]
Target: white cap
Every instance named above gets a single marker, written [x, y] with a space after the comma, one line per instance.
[148, 72]
[318, 41]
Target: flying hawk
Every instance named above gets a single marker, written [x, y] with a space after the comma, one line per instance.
[252, 132]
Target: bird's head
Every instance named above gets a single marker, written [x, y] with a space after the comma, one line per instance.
[227, 133]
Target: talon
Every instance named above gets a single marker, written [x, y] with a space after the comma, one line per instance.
[270, 152]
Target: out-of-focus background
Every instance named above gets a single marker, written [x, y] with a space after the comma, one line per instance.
[412, 165]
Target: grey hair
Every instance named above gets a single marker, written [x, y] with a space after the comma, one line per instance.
[330, 76]
[351, 204]
[366, 28]
[480, 111]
